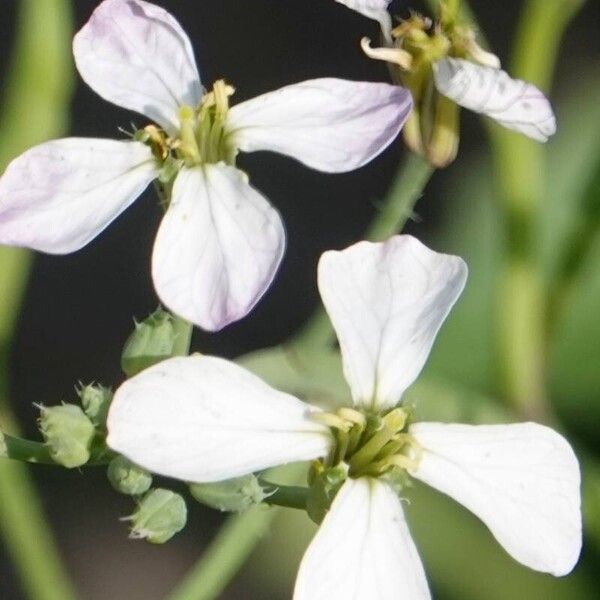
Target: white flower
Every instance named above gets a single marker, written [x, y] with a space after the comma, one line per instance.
[220, 242]
[483, 88]
[205, 419]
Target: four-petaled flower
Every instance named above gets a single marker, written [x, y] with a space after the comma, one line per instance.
[204, 419]
[220, 242]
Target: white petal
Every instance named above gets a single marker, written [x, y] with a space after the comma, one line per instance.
[332, 125]
[386, 302]
[363, 550]
[373, 9]
[218, 247]
[513, 103]
[521, 480]
[136, 55]
[58, 196]
[200, 418]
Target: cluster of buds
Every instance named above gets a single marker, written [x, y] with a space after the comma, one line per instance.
[75, 435]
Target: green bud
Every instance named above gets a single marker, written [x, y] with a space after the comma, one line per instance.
[151, 342]
[160, 515]
[128, 478]
[68, 434]
[233, 495]
[95, 400]
[323, 488]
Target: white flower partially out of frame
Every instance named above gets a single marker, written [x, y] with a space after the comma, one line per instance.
[482, 88]
[220, 242]
[205, 419]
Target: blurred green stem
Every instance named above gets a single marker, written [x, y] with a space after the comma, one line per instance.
[35, 107]
[574, 252]
[392, 215]
[225, 555]
[520, 165]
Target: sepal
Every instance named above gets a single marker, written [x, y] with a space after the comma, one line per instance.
[232, 495]
[160, 515]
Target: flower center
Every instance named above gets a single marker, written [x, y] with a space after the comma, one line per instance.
[370, 444]
[202, 130]
[201, 139]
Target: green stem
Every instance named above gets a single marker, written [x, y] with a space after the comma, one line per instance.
[392, 215]
[225, 555]
[407, 188]
[520, 170]
[25, 450]
[574, 252]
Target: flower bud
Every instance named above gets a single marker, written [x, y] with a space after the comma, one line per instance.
[233, 495]
[323, 488]
[68, 434]
[160, 515]
[151, 342]
[127, 478]
[95, 400]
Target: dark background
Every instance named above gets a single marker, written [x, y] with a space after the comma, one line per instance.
[78, 309]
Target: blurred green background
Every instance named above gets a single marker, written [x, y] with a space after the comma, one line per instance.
[64, 319]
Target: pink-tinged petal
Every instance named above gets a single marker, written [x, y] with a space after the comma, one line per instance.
[515, 104]
[200, 418]
[521, 480]
[58, 196]
[387, 302]
[332, 125]
[363, 550]
[373, 9]
[136, 55]
[218, 247]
